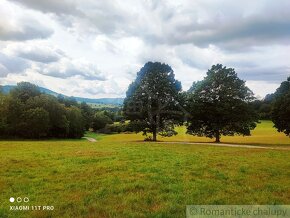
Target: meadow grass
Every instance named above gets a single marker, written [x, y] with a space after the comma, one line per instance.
[264, 134]
[112, 178]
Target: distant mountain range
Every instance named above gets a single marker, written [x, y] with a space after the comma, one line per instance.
[109, 101]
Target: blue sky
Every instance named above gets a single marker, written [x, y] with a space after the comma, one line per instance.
[95, 48]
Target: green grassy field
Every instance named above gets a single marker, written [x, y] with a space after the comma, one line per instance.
[119, 177]
[264, 134]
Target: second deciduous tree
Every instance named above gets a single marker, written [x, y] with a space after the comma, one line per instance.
[220, 105]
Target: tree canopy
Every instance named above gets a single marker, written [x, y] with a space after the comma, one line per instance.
[151, 102]
[25, 90]
[28, 113]
[281, 108]
[219, 105]
[100, 120]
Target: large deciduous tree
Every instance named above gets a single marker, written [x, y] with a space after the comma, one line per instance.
[151, 102]
[281, 108]
[220, 105]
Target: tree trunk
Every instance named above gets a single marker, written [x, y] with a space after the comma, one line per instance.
[154, 134]
[217, 136]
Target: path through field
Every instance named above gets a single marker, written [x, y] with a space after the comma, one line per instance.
[90, 139]
[213, 144]
[226, 145]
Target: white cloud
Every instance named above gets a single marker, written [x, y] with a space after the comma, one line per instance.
[34, 51]
[67, 68]
[262, 87]
[3, 71]
[12, 65]
[17, 25]
[95, 48]
[51, 6]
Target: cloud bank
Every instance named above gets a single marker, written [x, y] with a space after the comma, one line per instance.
[94, 48]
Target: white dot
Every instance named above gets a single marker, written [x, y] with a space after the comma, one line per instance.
[11, 199]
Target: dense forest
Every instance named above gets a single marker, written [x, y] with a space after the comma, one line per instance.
[26, 112]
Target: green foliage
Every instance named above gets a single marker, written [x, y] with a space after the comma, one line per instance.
[14, 113]
[88, 115]
[281, 108]
[283, 88]
[35, 123]
[66, 118]
[195, 85]
[28, 113]
[117, 128]
[3, 117]
[67, 101]
[75, 120]
[152, 99]
[59, 125]
[220, 105]
[25, 90]
[263, 108]
[100, 120]
[168, 129]
[110, 114]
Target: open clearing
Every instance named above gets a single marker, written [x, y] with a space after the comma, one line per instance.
[264, 134]
[119, 177]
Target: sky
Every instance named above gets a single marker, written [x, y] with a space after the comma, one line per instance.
[94, 48]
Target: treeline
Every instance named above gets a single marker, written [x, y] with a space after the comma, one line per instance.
[220, 104]
[264, 107]
[267, 107]
[27, 113]
[276, 107]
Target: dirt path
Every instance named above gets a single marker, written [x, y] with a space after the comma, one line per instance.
[227, 145]
[90, 139]
[213, 144]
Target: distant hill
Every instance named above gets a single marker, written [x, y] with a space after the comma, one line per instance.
[106, 101]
